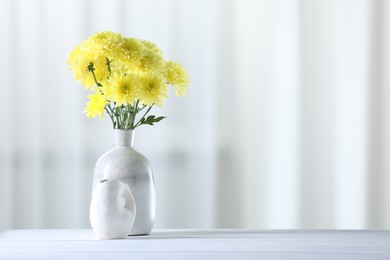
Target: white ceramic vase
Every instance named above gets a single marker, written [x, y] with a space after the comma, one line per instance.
[125, 164]
[112, 212]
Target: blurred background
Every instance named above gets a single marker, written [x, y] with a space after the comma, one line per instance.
[285, 124]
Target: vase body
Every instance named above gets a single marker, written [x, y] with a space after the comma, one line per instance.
[127, 165]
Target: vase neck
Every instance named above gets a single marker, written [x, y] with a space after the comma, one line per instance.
[123, 137]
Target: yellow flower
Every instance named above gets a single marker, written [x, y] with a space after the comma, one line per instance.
[177, 76]
[95, 50]
[124, 89]
[95, 105]
[107, 44]
[131, 46]
[131, 55]
[125, 66]
[101, 70]
[152, 47]
[78, 61]
[153, 89]
[108, 36]
[151, 57]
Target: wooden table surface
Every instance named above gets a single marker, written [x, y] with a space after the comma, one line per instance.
[198, 244]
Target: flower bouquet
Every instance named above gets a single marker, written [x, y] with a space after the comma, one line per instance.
[127, 77]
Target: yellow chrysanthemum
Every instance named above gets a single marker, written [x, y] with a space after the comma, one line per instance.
[152, 47]
[124, 66]
[107, 44]
[108, 36]
[151, 57]
[131, 46]
[153, 90]
[177, 76]
[151, 62]
[78, 62]
[82, 73]
[95, 50]
[124, 89]
[101, 70]
[95, 105]
[131, 54]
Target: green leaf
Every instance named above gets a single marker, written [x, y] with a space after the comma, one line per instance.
[150, 120]
[158, 119]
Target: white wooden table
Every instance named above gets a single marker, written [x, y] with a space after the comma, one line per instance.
[197, 244]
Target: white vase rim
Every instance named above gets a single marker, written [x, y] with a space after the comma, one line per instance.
[123, 130]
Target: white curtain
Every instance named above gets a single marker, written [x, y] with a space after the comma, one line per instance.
[286, 122]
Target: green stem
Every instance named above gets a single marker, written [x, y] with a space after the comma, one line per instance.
[113, 115]
[91, 68]
[118, 117]
[129, 117]
[108, 112]
[134, 114]
[112, 111]
[108, 63]
[142, 108]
